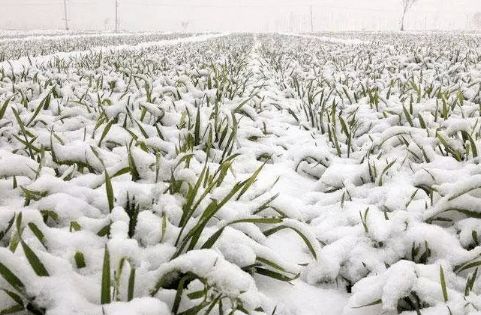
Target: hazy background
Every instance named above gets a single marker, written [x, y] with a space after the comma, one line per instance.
[239, 15]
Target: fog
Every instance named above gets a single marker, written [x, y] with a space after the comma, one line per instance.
[238, 15]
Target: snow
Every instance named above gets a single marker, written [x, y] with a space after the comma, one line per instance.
[346, 41]
[17, 65]
[303, 299]
[358, 205]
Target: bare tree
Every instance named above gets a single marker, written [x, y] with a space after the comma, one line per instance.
[185, 25]
[477, 20]
[406, 5]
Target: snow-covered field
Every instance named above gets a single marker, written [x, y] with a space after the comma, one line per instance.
[319, 174]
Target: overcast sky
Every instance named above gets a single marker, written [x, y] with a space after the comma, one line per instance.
[237, 15]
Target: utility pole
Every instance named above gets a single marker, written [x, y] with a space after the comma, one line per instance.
[116, 16]
[312, 25]
[65, 16]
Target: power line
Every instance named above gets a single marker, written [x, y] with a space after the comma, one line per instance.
[248, 6]
[139, 3]
[46, 3]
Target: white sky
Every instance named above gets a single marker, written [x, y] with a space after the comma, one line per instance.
[237, 15]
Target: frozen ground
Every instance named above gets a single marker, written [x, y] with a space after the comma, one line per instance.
[284, 174]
